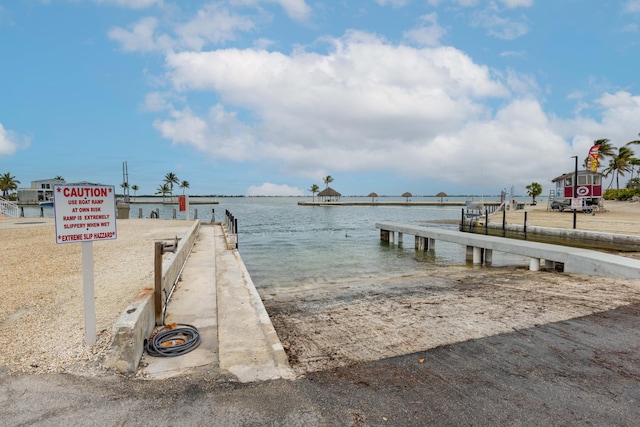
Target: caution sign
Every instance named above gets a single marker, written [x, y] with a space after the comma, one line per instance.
[84, 213]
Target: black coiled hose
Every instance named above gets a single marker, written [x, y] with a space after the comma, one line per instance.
[173, 342]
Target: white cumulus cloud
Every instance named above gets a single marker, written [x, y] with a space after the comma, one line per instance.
[269, 189]
[367, 105]
[10, 141]
[131, 4]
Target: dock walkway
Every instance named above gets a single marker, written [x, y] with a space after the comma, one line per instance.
[575, 260]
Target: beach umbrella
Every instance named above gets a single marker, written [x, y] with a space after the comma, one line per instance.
[407, 195]
[441, 195]
[373, 196]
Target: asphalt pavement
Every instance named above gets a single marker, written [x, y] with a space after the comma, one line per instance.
[583, 371]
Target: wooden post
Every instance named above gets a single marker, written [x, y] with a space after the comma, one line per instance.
[157, 294]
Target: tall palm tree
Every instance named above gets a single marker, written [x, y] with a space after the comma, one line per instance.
[314, 189]
[59, 178]
[124, 186]
[135, 189]
[634, 161]
[534, 189]
[183, 185]
[619, 165]
[8, 183]
[327, 180]
[171, 179]
[163, 189]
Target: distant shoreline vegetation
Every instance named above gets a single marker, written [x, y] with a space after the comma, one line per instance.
[295, 197]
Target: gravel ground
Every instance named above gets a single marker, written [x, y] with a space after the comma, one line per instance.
[42, 308]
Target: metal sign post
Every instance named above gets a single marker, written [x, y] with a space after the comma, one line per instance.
[84, 213]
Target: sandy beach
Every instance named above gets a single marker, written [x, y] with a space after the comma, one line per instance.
[329, 325]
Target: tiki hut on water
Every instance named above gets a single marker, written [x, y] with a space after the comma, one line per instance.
[329, 195]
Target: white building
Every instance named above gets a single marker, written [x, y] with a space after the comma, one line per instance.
[40, 191]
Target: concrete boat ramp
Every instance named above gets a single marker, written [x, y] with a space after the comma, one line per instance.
[216, 295]
[480, 247]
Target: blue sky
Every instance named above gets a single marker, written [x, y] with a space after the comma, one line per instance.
[266, 97]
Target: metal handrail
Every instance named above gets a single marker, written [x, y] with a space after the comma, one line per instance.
[9, 209]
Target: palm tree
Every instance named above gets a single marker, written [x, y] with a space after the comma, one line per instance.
[124, 186]
[183, 185]
[163, 189]
[634, 161]
[327, 180]
[534, 189]
[619, 165]
[8, 183]
[135, 189]
[314, 189]
[635, 165]
[59, 178]
[171, 179]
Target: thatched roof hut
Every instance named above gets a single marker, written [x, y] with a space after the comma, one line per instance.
[329, 195]
[441, 195]
[373, 196]
[407, 195]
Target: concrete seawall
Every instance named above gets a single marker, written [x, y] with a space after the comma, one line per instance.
[138, 320]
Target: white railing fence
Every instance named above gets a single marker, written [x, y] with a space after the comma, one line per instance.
[9, 209]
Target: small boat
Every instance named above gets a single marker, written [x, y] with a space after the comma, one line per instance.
[46, 204]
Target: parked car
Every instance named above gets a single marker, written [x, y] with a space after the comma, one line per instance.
[560, 205]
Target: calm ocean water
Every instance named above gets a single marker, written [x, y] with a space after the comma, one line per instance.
[285, 244]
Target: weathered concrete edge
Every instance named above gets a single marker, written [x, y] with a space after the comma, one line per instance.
[282, 369]
[172, 265]
[137, 322]
[280, 357]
